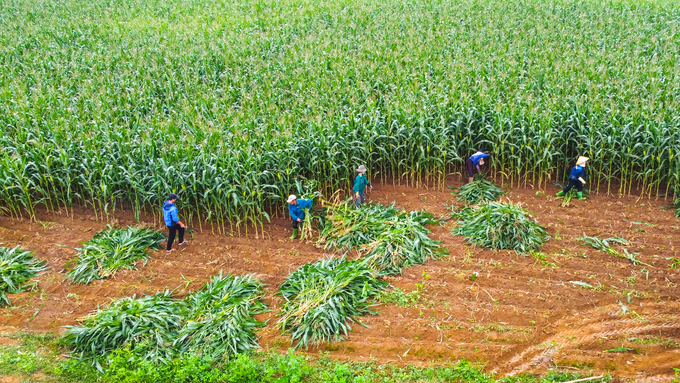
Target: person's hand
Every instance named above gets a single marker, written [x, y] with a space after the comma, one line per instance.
[356, 194]
[370, 187]
[582, 181]
[299, 220]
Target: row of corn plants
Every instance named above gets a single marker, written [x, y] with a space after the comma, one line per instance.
[230, 117]
[111, 250]
[17, 268]
[216, 321]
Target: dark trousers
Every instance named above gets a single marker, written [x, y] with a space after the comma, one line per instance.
[173, 231]
[359, 200]
[471, 168]
[572, 183]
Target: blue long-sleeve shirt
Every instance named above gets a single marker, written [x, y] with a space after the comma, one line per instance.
[478, 156]
[360, 184]
[170, 213]
[296, 210]
[577, 172]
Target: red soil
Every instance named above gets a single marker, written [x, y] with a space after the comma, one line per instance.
[521, 313]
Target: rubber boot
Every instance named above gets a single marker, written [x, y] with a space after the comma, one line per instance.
[560, 193]
[294, 234]
[580, 195]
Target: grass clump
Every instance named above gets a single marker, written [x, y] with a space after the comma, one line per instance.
[17, 267]
[221, 322]
[112, 249]
[147, 325]
[499, 226]
[322, 298]
[478, 191]
[389, 238]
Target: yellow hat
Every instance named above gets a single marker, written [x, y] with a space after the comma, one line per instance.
[582, 160]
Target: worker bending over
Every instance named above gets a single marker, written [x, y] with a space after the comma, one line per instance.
[297, 214]
[576, 178]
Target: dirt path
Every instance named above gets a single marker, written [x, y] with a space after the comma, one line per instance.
[520, 314]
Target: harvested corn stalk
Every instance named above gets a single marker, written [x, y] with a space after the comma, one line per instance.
[17, 266]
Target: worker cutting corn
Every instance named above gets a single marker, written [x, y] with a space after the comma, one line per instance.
[576, 178]
[297, 214]
[359, 188]
[474, 162]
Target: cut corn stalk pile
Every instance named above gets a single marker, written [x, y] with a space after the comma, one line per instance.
[17, 267]
[221, 322]
[478, 191]
[390, 239]
[676, 205]
[216, 321]
[147, 325]
[603, 245]
[497, 226]
[323, 298]
[112, 249]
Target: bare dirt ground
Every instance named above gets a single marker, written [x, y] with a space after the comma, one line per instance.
[520, 314]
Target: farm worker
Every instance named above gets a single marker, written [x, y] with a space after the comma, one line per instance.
[359, 189]
[295, 207]
[172, 222]
[474, 162]
[576, 178]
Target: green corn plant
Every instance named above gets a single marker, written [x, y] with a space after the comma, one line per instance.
[478, 191]
[148, 326]
[497, 226]
[112, 249]
[220, 323]
[323, 299]
[17, 267]
[604, 245]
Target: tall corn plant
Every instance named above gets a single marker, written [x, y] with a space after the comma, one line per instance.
[220, 323]
[148, 326]
[497, 226]
[17, 267]
[323, 299]
[112, 249]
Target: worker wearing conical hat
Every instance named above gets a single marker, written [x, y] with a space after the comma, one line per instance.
[297, 214]
[576, 178]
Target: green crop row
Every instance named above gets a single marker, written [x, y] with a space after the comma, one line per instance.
[114, 104]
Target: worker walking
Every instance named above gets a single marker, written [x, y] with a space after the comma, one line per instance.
[576, 178]
[297, 214]
[359, 188]
[172, 221]
[474, 162]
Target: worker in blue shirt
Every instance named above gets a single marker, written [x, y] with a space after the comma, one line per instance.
[474, 162]
[297, 214]
[172, 221]
[359, 188]
[576, 178]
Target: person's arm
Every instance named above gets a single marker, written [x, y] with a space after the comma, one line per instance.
[175, 217]
[581, 173]
[292, 215]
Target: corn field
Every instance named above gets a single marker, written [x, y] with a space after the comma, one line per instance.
[112, 104]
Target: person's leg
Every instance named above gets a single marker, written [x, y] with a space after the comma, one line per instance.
[180, 229]
[171, 237]
[363, 197]
[357, 200]
[567, 189]
[470, 169]
[579, 187]
[295, 229]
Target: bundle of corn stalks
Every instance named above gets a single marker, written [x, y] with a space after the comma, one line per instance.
[323, 298]
[498, 226]
[17, 266]
[390, 239]
[112, 249]
[147, 325]
[603, 245]
[478, 191]
[221, 321]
